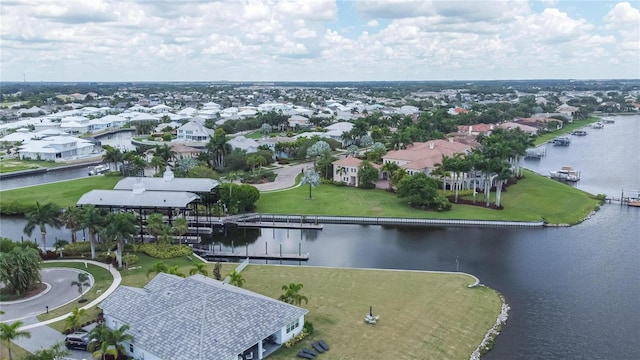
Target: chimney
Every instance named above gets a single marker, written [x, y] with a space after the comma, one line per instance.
[431, 145]
[470, 129]
[450, 139]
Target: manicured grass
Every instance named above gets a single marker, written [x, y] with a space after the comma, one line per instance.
[422, 315]
[567, 128]
[7, 166]
[103, 280]
[16, 351]
[532, 199]
[64, 193]
[430, 315]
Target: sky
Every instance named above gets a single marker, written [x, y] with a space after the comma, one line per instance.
[318, 40]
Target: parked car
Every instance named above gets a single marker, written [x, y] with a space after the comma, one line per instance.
[77, 340]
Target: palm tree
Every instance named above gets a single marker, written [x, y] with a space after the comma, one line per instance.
[292, 294]
[72, 219]
[180, 226]
[173, 270]
[157, 268]
[57, 351]
[218, 148]
[41, 216]
[72, 321]
[92, 219]
[389, 168]
[10, 332]
[504, 173]
[199, 268]
[83, 280]
[155, 225]
[165, 152]
[110, 340]
[235, 278]
[120, 228]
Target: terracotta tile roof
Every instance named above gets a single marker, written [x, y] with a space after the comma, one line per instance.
[428, 150]
[348, 161]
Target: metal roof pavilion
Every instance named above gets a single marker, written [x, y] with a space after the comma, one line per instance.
[136, 199]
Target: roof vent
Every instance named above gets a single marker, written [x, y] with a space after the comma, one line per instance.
[138, 187]
[168, 174]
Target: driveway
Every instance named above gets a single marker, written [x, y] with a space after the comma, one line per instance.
[286, 177]
[60, 292]
[43, 337]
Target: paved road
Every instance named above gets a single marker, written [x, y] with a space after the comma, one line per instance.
[60, 293]
[286, 177]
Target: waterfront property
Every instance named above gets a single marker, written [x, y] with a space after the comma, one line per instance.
[198, 317]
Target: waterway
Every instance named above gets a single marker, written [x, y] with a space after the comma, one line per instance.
[574, 292]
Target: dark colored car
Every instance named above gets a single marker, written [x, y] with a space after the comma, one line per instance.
[77, 340]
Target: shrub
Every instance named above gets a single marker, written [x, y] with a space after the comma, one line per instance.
[77, 248]
[296, 339]
[308, 327]
[130, 259]
[283, 161]
[165, 251]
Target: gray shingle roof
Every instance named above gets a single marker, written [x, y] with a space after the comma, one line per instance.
[127, 198]
[198, 185]
[197, 317]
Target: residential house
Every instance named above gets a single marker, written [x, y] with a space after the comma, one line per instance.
[298, 121]
[271, 143]
[58, 148]
[174, 318]
[525, 128]
[346, 170]
[423, 156]
[243, 143]
[476, 129]
[193, 131]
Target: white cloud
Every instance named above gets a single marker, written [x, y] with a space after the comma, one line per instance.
[307, 40]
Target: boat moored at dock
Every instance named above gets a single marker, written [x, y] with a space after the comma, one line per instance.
[99, 170]
[566, 173]
[579, 133]
[562, 141]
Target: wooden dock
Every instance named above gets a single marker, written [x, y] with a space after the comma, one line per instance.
[280, 225]
[252, 256]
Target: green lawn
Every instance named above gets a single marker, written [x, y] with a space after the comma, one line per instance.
[11, 165]
[64, 194]
[532, 199]
[422, 315]
[451, 323]
[567, 128]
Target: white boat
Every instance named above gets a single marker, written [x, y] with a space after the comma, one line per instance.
[579, 133]
[98, 170]
[567, 173]
[606, 120]
[597, 125]
[562, 141]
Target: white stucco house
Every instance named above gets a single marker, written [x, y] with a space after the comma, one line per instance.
[193, 131]
[246, 144]
[58, 148]
[174, 318]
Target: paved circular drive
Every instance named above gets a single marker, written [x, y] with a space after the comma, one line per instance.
[61, 293]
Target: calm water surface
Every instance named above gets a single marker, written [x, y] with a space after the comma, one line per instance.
[574, 292]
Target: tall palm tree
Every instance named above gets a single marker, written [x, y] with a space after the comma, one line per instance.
[218, 148]
[120, 228]
[236, 279]
[10, 332]
[292, 294]
[155, 225]
[72, 219]
[92, 220]
[83, 280]
[199, 268]
[180, 226]
[41, 216]
[504, 173]
[389, 168]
